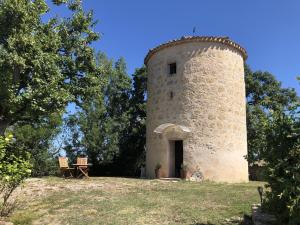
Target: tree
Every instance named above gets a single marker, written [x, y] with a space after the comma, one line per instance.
[116, 98]
[133, 139]
[265, 95]
[43, 65]
[109, 126]
[38, 139]
[102, 117]
[283, 166]
[273, 124]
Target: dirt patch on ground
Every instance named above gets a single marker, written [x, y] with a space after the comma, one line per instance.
[34, 188]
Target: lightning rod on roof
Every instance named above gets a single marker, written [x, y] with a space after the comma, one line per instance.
[194, 30]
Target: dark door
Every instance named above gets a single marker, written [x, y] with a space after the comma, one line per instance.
[178, 157]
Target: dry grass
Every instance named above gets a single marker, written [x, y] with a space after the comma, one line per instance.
[131, 201]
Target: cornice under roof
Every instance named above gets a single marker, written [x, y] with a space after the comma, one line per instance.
[185, 39]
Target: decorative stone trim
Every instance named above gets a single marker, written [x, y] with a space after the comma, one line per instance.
[160, 129]
[171, 131]
[185, 39]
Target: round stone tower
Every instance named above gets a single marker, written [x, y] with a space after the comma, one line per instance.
[196, 111]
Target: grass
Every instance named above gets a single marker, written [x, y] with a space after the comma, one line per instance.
[131, 201]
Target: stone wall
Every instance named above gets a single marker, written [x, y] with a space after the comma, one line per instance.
[208, 97]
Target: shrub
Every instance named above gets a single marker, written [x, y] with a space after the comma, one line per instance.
[44, 164]
[39, 139]
[158, 166]
[283, 168]
[13, 170]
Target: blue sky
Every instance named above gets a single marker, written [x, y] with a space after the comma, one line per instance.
[268, 29]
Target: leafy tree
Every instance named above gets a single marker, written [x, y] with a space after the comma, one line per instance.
[38, 138]
[116, 98]
[43, 67]
[265, 95]
[109, 126]
[133, 139]
[273, 123]
[101, 118]
[42, 64]
[283, 166]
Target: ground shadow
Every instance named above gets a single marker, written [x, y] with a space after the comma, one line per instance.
[202, 224]
[247, 220]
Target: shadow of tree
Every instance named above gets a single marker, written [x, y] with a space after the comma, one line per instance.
[246, 220]
[202, 224]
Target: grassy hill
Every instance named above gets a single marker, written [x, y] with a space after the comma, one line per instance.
[121, 201]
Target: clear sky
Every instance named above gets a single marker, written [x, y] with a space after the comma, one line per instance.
[268, 29]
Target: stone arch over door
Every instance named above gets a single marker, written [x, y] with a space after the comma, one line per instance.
[172, 131]
[171, 134]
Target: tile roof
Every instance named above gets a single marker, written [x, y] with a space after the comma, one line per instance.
[185, 39]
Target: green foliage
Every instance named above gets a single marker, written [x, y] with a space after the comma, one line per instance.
[42, 64]
[38, 139]
[13, 170]
[133, 139]
[157, 166]
[109, 126]
[264, 96]
[116, 101]
[97, 126]
[283, 163]
[273, 125]
[43, 67]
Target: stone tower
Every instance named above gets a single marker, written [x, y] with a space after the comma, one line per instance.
[196, 111]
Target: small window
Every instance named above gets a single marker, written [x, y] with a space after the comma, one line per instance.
[172, 68]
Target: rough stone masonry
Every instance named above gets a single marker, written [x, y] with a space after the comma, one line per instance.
[196, 95]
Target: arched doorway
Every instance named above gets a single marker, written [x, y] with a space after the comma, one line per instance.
[174, 135]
